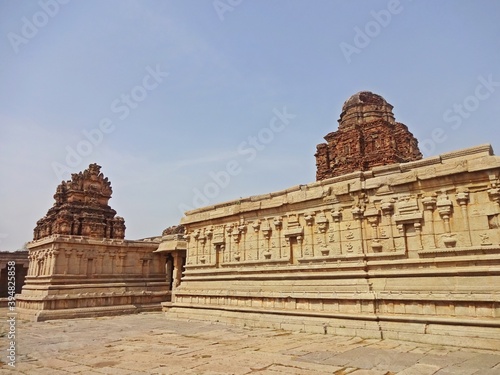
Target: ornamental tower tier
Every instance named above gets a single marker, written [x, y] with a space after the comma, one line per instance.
[81, 208]
[367, 136]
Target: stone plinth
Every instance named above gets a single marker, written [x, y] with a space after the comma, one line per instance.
[368, 136]
[407, 251]
[73, 276]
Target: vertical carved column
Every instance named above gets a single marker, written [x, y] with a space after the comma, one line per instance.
[210, 249]
[266, 234]
[79, 254]
[278, 224]
[202, 240]
[494, 191]
[100, 265]
[48, 262]
[372, 215]
[196, 235]
[402, 234]
[53, 261]
[112, 257]
[445, 208]
[387, 208]
[256, 240]
[300, 242]
[429, 203]
[309, 218]
[242, 228]
[67, 255]
[37, 266]
[322, 223]
[357, 214]
[31, 264]
[121, 259]
[462, 200]
[177, 274]
[236, 243]
[45, 262]
[229, 231]
[337, 218]
[418, 231]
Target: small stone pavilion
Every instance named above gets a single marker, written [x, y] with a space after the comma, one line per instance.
[385, 244]
[79, 263]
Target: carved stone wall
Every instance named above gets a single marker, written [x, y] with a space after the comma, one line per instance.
[72, 276]
[406, 251]
[368, 136]
[81, 208]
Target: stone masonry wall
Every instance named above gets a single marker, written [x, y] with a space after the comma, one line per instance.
[408, 251]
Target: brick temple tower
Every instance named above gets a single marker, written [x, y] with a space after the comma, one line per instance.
[81, 208]
[368, 136]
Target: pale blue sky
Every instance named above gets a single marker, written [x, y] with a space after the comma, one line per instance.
[221, 77]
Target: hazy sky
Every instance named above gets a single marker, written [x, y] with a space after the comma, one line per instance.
[194, 102]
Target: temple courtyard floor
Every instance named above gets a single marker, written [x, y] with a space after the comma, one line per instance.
[151, 344]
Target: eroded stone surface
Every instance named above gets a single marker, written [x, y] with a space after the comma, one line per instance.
[368, 136]
[151, 344]
[81, 208]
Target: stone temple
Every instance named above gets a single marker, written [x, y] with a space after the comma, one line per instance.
[368, 136]
[81, 208]
[385, 244]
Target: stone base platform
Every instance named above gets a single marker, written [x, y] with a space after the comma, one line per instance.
[74, 277]
[480, 334]
[91, 312]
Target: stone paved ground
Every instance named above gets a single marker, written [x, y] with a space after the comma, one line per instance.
[151, 344]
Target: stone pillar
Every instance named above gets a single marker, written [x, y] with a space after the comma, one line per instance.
[278, 224]
[53, 261]
[462, 200]
[357, 214]
[309, 218]
[337, 218]
[429, 231]
[177, 273]
[445, 208]
[387, 208]
[372, 215]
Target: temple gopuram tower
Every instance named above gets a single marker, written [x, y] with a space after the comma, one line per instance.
[368, 136]
[81, 208]
[80, 264]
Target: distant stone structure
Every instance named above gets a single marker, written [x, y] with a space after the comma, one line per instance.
[368, 136]
[79, 263]
[81, 208]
